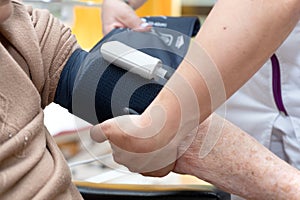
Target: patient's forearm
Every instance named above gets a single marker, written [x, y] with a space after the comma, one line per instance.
[240, 165]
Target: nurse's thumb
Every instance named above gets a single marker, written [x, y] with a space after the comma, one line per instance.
[101, 132]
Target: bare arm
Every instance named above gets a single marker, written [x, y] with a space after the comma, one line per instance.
[233, 43]
[238, 37]
[239, 164]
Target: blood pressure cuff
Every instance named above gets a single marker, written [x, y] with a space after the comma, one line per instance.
[95, 90]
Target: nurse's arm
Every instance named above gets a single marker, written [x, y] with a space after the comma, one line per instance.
[238, 37]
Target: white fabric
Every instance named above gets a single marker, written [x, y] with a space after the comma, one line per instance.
[254, 110]
[58, 120]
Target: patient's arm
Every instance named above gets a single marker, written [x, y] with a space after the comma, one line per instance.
[239, 164]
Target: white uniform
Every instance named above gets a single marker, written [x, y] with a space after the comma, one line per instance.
[253, 108]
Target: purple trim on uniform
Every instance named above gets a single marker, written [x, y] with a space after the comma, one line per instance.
[277, 84]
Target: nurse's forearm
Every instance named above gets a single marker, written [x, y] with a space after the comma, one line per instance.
[238, 37]
[239, 164]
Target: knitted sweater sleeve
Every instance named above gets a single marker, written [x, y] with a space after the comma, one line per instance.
[56, 45]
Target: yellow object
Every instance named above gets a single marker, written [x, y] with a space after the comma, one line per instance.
[160, 7]
[87, 25]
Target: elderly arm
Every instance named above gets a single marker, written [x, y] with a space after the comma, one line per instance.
[238, 164]
[233, 43]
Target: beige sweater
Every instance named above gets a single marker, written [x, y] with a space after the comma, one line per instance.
[34, 47]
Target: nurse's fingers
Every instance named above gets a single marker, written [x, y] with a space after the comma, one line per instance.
[100, 132]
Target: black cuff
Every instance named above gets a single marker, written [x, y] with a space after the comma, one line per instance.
[63, 95]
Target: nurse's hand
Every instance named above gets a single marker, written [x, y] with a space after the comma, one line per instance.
[137, 145]
[147, 143]
[118, 14]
